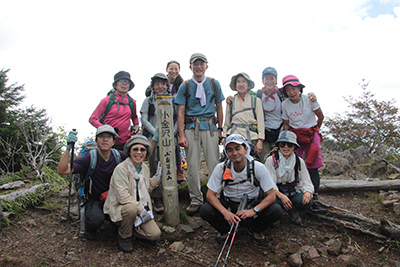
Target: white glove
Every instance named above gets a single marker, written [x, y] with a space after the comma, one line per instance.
[143, 217]
[158, 172]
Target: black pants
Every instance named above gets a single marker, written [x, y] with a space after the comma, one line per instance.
[119, 147]
[315, 178]
[94, 216]
[264, 219]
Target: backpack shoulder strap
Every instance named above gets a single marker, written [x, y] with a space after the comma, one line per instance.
[281, 95]
[187, 93]
[93, 162]
[231, 106]
[109, 105]
[214, 88]
[259, 93]
[251, 174]
[227, 165]
[131, 105]
[92, 166]
[297, 168]
[275, 159]
[253, 105]
[117, 155]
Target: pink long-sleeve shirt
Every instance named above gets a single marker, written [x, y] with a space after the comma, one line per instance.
[119, 117]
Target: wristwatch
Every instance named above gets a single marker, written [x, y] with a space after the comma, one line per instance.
[256, 209]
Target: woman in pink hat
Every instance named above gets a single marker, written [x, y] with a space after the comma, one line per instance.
[271, 101]
[304, 118]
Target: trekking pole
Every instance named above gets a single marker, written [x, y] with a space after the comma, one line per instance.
[69, 194]
[223, 247]
[242, 205]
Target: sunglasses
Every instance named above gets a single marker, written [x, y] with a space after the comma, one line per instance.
[283, 144]
[124, 81]
[136, 149]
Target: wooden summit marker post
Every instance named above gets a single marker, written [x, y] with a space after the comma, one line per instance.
[166, 145]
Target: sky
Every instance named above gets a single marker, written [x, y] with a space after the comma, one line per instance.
[66, 53]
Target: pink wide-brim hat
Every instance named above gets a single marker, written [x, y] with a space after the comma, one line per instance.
[292, 80]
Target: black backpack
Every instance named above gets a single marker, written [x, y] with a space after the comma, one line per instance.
[251, 176]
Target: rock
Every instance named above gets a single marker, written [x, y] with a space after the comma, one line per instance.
[394, 176]
[389, 203]
[295, 260]
[74, 211]
[71, 258]
[395, 163]
[313, 253]
[196, 225]
[336, 165]
[383, 194]
[160, 251]
[189, 250]
[31, 223]
[185, 228]
[361, 154]
[379, 167]
[168, 229]
[177, 246]
[393, 196]
[65, 192]
[329, 146]
[335, 248]
[345, 258]
[396, 208]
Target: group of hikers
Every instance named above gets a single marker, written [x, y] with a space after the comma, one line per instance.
[271, 142]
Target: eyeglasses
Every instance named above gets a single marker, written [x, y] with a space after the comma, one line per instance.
[136, 149]
[124, 81]
[283, 144]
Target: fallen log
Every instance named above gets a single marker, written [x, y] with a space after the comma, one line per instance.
[356, 222]
[17, 194]
[12, 185]
[358, 185]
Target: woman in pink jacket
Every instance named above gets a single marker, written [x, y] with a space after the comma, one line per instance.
[118, 109]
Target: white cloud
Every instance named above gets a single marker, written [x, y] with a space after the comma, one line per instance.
[66, 53]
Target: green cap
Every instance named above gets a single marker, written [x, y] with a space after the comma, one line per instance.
[246, 76]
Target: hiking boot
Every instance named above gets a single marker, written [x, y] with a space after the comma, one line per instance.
[192, 209]
[158, 206]
[294, 216]
[181, 178]
[221, 237]
[315, 196]
[259, 238]
[91, 235]
[125, 244]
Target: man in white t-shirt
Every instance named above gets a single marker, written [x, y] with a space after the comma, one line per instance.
[261, 210]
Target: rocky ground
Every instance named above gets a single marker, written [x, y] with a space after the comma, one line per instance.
[39, 239]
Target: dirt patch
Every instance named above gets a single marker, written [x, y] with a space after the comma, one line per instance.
[39, 240]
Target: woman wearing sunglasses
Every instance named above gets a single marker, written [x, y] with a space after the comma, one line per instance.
[304, 118]
[128, 202]
[293, 188]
